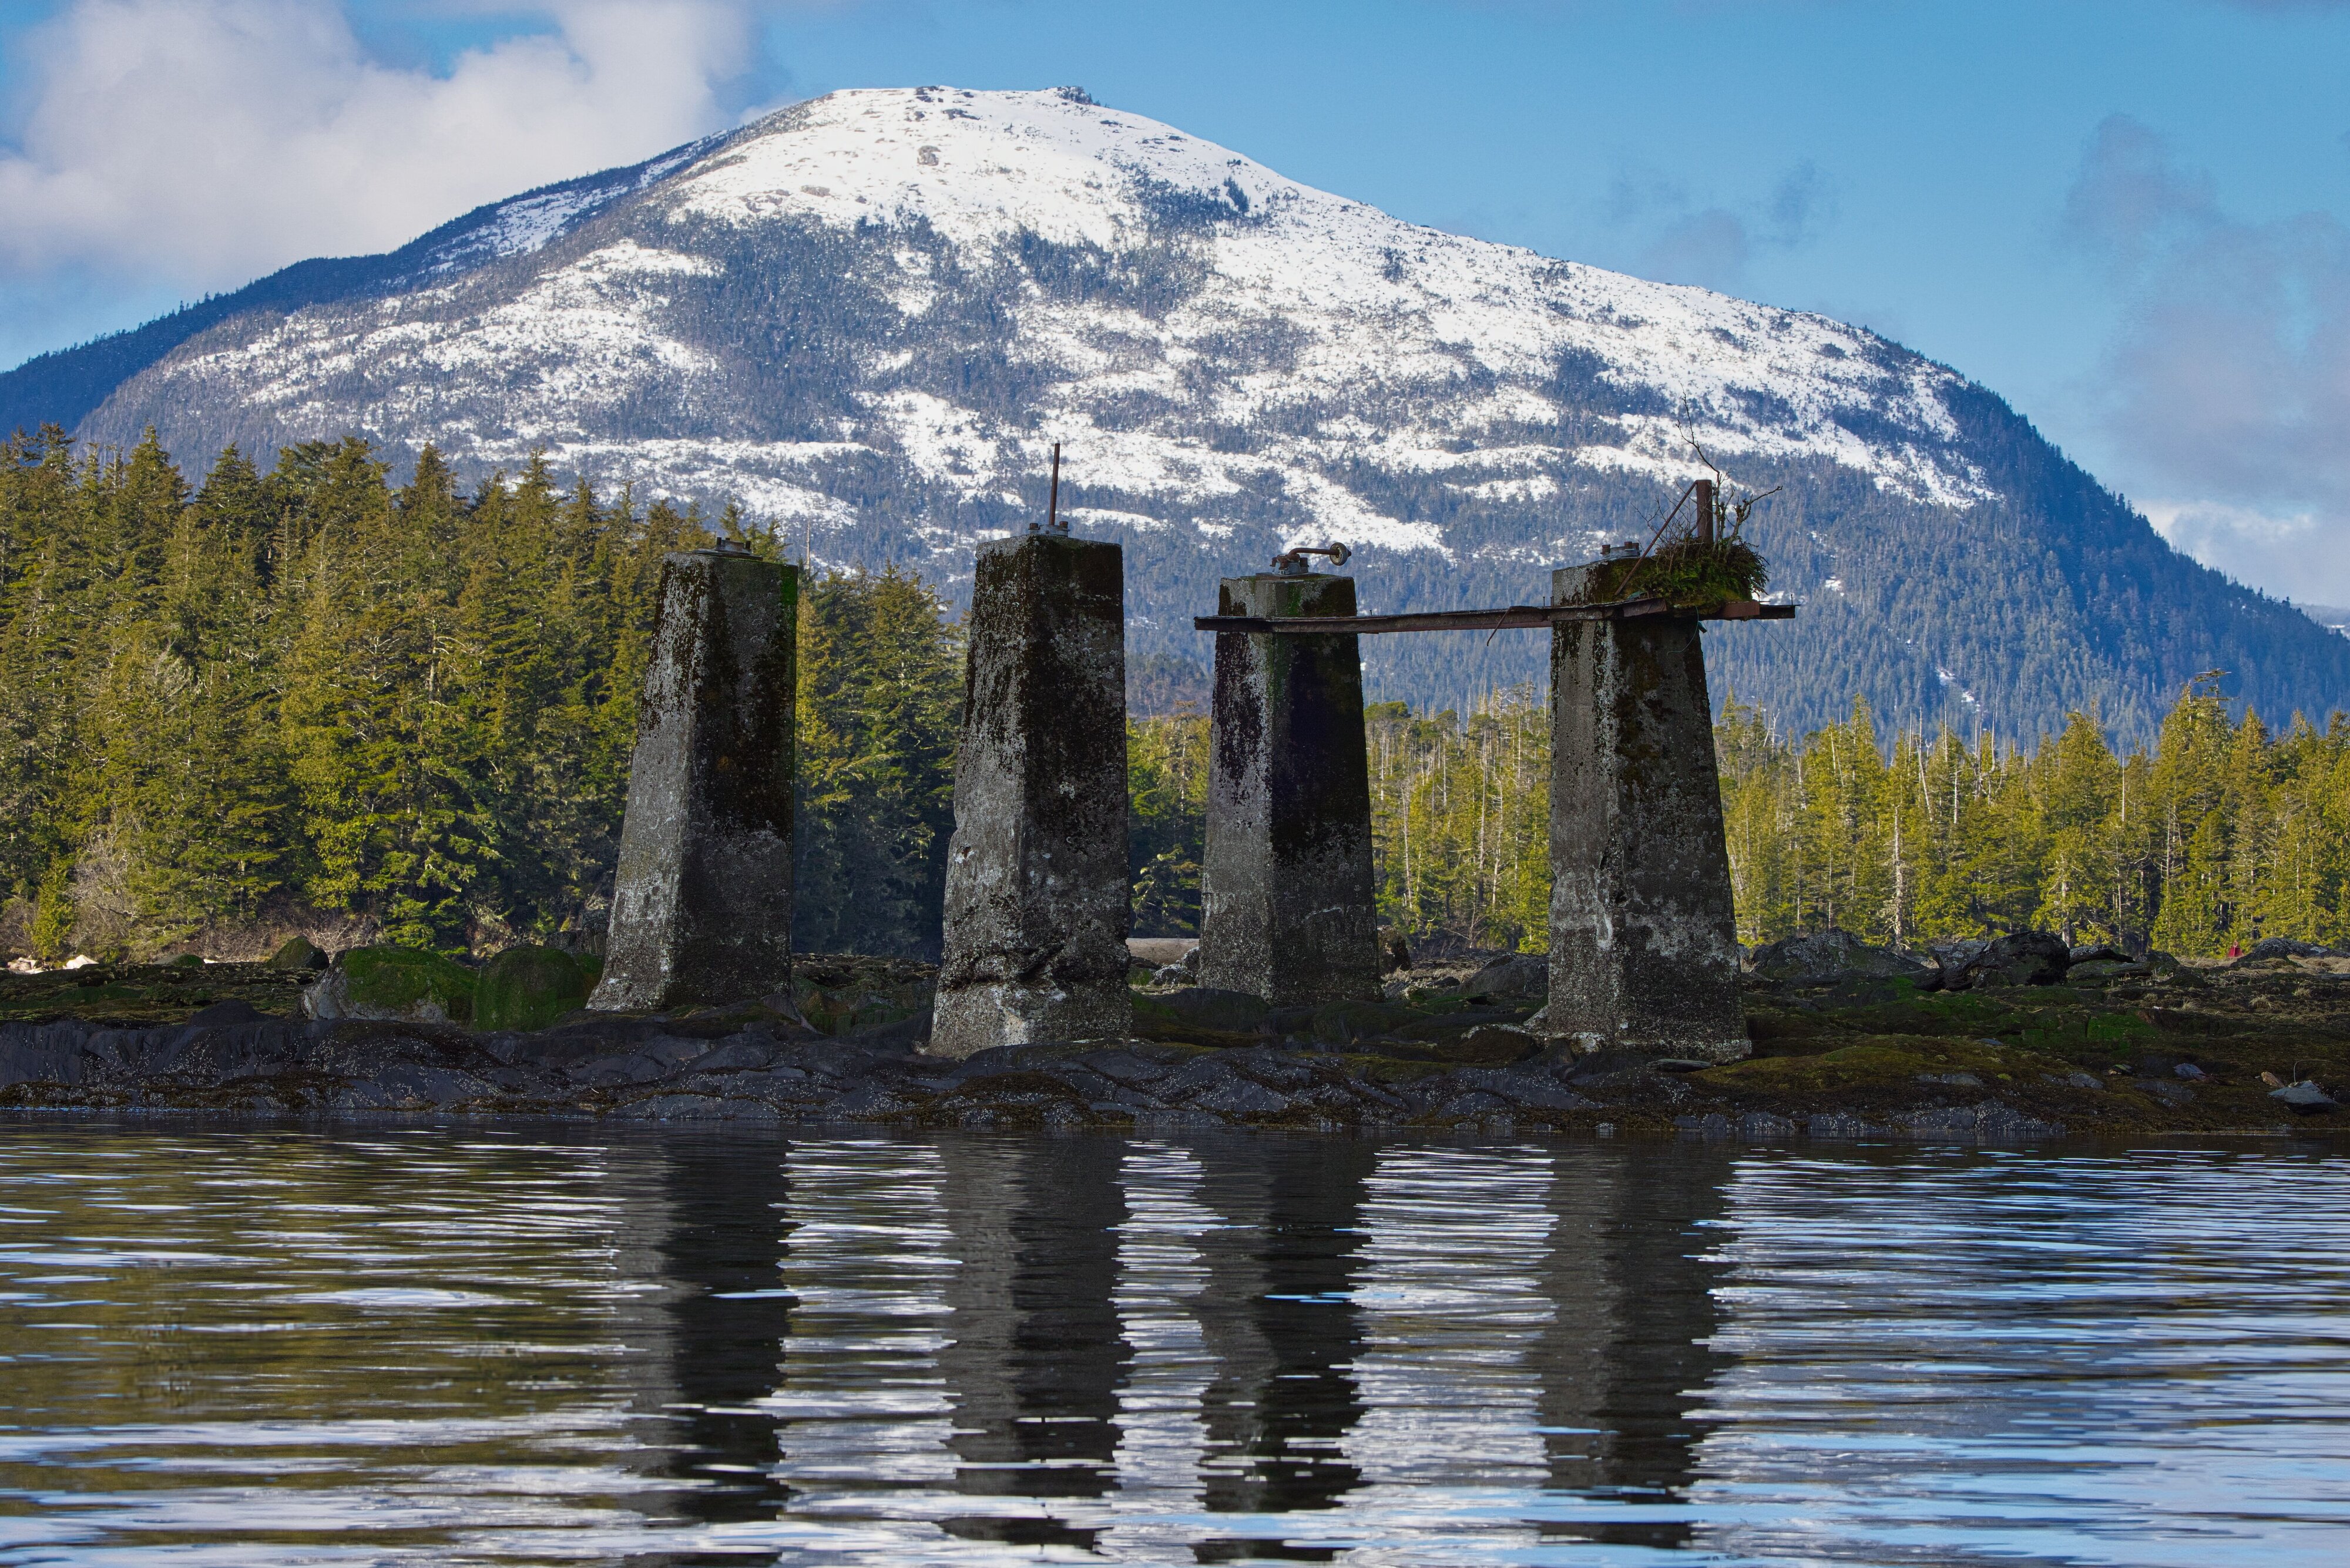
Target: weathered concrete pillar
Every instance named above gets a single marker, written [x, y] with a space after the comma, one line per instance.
[1287, 902]
[1643, 939]
[702, 905]
[1036, 874]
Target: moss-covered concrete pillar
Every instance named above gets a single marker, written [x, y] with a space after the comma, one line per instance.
[1643, 938]
[1288, 911]
[702, 905]
[1036, 874]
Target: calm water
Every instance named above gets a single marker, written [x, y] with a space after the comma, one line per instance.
[257, 1346]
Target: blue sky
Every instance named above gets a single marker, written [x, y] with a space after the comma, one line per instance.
[2132, 220]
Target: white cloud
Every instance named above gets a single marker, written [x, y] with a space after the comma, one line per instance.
[203, 143]
[2227, 391]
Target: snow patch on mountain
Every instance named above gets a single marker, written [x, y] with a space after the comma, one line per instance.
[1342, 342]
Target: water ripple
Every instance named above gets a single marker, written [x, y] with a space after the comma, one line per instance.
[266, 1347]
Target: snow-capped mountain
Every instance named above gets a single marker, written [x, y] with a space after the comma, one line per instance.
[867, 318]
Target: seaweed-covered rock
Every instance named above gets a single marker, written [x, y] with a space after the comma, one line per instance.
[1824, 957]
[393, 985]
[529, 988]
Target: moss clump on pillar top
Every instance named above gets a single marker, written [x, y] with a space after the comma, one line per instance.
[701, 903]
[1288, 909]
[1035, 942]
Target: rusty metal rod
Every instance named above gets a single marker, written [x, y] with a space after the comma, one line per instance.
[1483, 620]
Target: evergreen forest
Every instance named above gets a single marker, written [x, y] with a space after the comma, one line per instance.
[310, 699]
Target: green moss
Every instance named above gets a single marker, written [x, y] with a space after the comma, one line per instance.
[397, 979]
[1689, 573]
[528, 987]
[297, 953]
[1874, 1066]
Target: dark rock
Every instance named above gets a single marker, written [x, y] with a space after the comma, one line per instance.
[2269, 947]
[1524, 1089]
[1952, 959]
[1713, 1125]
[1274, 1069]
[906, 1034]
[1241, 1097]
[298, 954]
[2093, 969]
[2305, 1100]
[872, 1102]
[699, 1108]
[1957, 1080]
[1343, 1022]
[2099, 952]
[221, 1013]
[1755, 1126]
[1493, 1045]
[1518, 976]
[2187, 1070]
[2022, 958]
[1842, 1125]
[1824, 958]
[1206, 1007]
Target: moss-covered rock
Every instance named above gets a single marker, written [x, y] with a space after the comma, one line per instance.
[528, 987]
[394, 984]
[298, 954]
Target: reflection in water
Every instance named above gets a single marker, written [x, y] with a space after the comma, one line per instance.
[1630, 1340]
[437, 1345]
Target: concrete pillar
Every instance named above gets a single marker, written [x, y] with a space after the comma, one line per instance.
[1036, 874]
[1288, 908]
[702, 905]
[1643, 941]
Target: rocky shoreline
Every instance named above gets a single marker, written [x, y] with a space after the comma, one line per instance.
[1842, 1053]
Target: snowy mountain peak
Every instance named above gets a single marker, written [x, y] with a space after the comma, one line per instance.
[1383, 299]
[868, 318]
[977, 167]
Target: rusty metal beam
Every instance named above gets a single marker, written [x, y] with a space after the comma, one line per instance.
[1515, 616]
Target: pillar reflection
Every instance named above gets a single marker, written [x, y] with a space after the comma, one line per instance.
[1278, 1316]
[1626, 1355]
[728, 1319]
[1036, 1358]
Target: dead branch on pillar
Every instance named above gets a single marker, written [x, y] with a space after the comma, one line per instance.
[1699, 556]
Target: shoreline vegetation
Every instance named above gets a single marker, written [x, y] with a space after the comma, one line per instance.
[310, 702]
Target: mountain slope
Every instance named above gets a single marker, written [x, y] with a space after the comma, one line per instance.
[868, 316]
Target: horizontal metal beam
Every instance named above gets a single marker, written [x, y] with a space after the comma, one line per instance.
[1483, 620]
